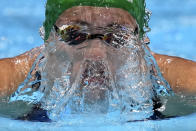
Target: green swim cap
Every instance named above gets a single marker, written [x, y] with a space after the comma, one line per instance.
[54, 8]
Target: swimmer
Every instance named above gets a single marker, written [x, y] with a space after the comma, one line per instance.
[179, 72]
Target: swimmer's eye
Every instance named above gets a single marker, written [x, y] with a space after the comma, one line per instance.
[73, 36]
[119, 38]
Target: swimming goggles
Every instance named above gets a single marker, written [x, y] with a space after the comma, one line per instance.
[75, 35]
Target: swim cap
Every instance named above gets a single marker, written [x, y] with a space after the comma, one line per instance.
[54, 8]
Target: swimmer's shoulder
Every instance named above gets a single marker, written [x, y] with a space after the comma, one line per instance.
[14, 70]
[179, 72]
[23, 60]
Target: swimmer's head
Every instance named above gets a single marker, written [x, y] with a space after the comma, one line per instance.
[93, 42]
[135, 8]
[85, 32]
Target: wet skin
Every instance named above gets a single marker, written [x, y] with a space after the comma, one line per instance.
[180, 73]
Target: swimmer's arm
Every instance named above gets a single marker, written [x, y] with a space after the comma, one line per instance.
[179, 72]
[14, 70]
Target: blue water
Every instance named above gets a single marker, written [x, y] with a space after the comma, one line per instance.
[20, 21]
[173, 26]
[176, 124]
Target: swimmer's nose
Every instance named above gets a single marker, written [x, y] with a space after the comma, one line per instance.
[96, 50]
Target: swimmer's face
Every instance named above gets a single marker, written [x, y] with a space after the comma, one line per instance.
[92, 41]
[90, 17]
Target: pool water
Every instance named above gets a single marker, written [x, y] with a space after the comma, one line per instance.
[19, 25]
[186, 123]
[173, 27]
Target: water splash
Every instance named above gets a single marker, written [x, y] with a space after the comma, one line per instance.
[120, 89]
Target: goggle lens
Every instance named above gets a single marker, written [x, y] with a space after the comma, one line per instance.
[74, 35]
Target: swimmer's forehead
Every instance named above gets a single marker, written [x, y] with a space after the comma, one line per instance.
[96, 16]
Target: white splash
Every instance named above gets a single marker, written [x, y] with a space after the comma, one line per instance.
[169, 61]
[64, 91]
